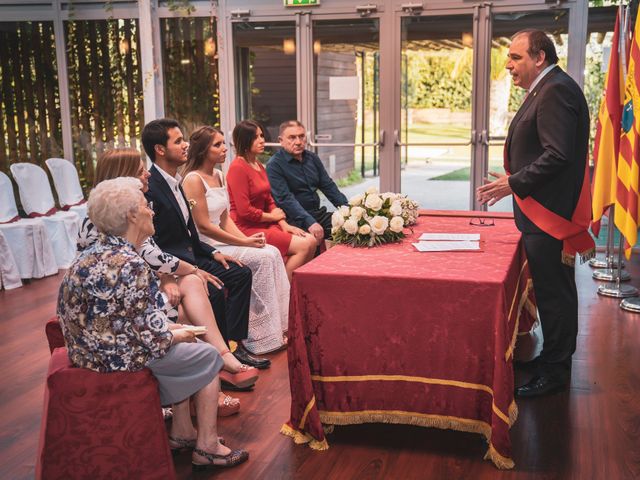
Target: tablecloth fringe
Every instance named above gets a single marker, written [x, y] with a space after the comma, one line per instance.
[407, 418]
[424, 420]
[503, 463]
[524, 298]
[513, 413]
[300, 438]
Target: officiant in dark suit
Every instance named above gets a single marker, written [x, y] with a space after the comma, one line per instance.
[175, 233]
[546, 171]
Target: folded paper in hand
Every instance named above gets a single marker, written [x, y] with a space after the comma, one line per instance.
[196, 329]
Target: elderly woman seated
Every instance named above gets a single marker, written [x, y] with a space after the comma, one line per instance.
[113, 319]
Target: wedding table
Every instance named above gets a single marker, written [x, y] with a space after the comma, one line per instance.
[389, 334]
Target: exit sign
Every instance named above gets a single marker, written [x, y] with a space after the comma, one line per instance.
[301, 3]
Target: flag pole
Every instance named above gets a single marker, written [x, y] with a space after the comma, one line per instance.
[631, 304]
[617, 290]
[614, 270]
[608, 262]
[608, 269]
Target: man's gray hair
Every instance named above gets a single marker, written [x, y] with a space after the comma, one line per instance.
[111, 201]
[289, 123]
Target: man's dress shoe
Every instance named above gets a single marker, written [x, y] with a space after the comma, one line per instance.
[540, 385]
[245, 357]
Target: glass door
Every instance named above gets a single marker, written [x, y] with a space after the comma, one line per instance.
[265, 75]
[345, 121]
[504, 97]
[437, 62]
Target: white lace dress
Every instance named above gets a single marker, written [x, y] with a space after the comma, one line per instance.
[269, 309]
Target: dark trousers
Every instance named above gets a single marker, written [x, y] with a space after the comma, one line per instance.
[322, 216]
[557, 298]
[231, 308]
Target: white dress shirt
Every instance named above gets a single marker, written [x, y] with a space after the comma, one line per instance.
[174, 184]
[540, 76]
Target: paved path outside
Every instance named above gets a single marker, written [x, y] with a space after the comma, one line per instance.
[417, 183]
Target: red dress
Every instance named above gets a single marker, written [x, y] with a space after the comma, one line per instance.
[249, 197]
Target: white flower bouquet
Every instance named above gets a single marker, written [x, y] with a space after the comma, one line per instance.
[372, 219]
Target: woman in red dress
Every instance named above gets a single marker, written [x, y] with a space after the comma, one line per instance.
[251, 205]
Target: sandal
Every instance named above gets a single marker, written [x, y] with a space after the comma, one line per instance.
[233, 458]
[177, 444]
[227, 405]
[243, 379]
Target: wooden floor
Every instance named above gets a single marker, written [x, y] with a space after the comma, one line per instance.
[590, 432]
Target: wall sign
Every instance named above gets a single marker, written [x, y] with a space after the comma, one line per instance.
[301, 3]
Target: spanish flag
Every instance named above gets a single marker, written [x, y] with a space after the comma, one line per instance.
[607, 141]
[626, 217]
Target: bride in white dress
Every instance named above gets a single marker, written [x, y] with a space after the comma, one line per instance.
[206, 192]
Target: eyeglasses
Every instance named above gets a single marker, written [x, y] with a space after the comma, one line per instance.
[482, 222]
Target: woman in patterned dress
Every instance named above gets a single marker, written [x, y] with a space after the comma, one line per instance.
[188, 293]
[112, 316]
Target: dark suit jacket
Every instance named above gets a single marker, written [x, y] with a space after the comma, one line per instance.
[173, 235]
[547, 147]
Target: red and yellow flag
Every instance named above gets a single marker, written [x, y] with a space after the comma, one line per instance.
[628, 173]
[607, 141]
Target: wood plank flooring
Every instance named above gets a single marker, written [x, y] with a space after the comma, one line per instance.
[589, 432]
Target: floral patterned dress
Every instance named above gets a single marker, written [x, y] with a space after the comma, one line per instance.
[112, 316]
[111, 309]
[158, 260]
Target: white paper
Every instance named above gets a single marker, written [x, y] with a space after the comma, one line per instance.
[344, 88]
[449, 236]
[446, 246]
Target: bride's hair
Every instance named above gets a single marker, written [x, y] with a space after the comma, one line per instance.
[199, 143]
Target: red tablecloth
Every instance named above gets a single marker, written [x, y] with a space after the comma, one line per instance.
[392, 335]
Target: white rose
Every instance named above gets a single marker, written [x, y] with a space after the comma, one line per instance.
[356, 200]
[379, 224]
[364, 229]
[371, 190]
[336, 220]
[387, 195]
[396, 208]
[350, 226]
[344, 211]
[396, 224]
[374, 202]
[357, 212]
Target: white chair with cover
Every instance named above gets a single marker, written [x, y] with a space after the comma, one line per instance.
[67, 184]
[9, 273]
[26, 238]
[37, 201]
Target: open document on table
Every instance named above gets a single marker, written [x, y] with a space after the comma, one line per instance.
[447, 242]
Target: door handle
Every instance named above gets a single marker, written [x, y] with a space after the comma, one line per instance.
[379, 143]
[398, 143]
